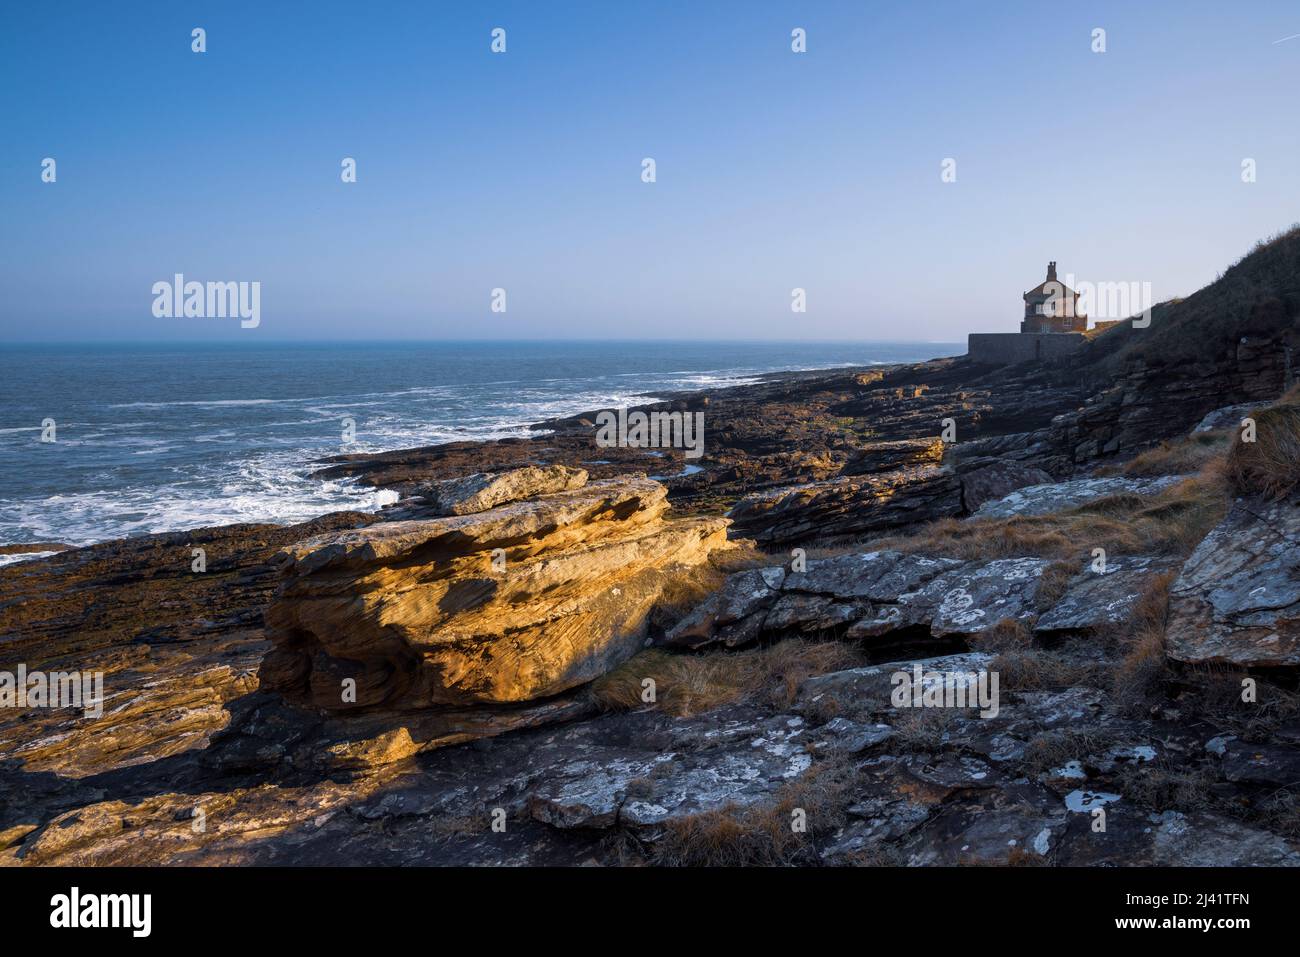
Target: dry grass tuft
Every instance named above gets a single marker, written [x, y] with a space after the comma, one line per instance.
[1178, 456]
[687, 684]
[1009, 634]
[923, 729]
[1024, 857]
[762, 834]
[1172, 522]
[1035, 669]
[1053, 583]
[1052, 749]
[1271, 464]
[1280, 813]
[878, 854]
[1214, 692]
[1164, 785]
[1143, 669]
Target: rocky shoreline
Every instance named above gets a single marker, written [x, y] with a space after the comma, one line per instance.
[551, 652]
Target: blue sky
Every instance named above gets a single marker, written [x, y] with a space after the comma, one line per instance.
[775, 170]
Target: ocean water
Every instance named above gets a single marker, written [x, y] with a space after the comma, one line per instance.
[161, 438]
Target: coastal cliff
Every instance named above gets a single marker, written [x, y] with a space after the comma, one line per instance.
[554, 651]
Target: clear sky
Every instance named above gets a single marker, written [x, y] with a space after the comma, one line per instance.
[522, 170]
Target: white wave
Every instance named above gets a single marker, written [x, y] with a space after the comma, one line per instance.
[23, 557]
[213, 402]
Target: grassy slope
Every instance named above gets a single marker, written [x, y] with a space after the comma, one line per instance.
[1258, 297]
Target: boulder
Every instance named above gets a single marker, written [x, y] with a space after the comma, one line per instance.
[509, 605]
[997, 480]
[1237, 599]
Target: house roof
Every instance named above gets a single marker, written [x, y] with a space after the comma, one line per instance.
[1040, 289]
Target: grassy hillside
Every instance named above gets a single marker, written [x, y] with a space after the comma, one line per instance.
[1258, 297]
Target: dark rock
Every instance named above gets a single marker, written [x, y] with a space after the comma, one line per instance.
[848, 506]
[741, 596]
[1098, 599]
[1237, 600]
[997, 480]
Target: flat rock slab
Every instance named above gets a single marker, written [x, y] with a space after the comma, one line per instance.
[1102, 599]
[866, 595]
[878, 576]
[976, 596]
[1059, 496]
[484, 490]
[1277, 765]
[732, 761]
[869, 691]
[1237, 599]
[1229, 417]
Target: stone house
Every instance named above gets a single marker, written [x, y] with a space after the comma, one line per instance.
[1052, 307]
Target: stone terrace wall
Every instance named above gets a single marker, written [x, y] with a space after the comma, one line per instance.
[1010, 347]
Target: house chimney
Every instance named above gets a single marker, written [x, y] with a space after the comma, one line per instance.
[1051, 271]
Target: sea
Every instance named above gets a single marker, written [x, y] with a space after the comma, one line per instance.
[108, 441]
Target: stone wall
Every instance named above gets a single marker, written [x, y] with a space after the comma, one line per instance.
[1006, 348]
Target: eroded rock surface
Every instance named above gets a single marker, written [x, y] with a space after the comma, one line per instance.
[484, 490]
[513, 604]
[1098, 599]
[1059, 496]
[1237, 599]
[848, 506]
[470, 675]
[872, 595]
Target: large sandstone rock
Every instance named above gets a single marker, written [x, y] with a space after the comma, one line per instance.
[509, 605]
[855, 505]
[1237, 600]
